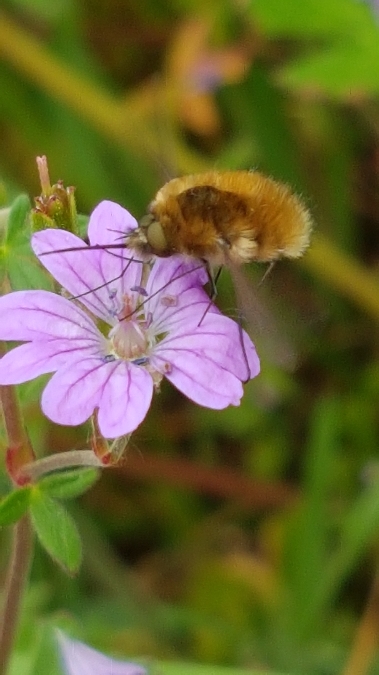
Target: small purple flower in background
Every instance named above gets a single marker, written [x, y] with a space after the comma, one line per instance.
[112, 344]
[79, 659]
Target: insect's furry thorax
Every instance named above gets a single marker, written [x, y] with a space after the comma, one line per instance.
[238, 216]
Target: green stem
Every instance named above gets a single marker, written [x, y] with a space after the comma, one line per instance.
[62, 460]
[14, 586]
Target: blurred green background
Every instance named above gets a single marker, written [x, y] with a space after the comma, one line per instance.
[245, 538]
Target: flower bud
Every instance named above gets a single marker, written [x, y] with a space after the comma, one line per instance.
[56, 206]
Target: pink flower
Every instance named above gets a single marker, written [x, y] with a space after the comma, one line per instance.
[107, 350]
[79, 659]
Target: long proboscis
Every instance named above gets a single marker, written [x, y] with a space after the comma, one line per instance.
[89, 247]
[104, 247]
[258, 317]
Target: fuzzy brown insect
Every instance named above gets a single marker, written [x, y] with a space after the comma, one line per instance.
[230, 217]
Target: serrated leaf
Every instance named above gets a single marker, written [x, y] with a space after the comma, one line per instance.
[69, 484]
[14, 506]
[18, 215]
[56, 530]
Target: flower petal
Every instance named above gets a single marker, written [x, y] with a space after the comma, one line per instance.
[201, 380]
[121, 391]
[125, 400]
[73, 393]
[186, 312]
[37, 358]
[176, 274]
[39, 315]
[79, 659]
[99, 278]
[109, 222]
[208, 364]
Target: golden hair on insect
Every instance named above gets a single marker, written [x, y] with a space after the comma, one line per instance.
[224, 217]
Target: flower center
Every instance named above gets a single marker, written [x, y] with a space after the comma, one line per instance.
[128, 338]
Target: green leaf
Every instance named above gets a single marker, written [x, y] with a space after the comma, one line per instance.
[310, 537]
[82, 221]
[358, 530]
[17, 258]
[56, 531]
[14, 505]
[23, 267]
[18, 215]
[339, 72]
[311, 18]
[69, 484]
[341, 39]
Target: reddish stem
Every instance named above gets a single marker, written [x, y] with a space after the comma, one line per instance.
[14, 586]
[19, 450]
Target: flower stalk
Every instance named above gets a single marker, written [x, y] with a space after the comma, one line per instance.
[15, 584]
[19, 451]
[62, 460]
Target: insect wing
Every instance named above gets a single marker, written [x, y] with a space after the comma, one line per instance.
[267, 333]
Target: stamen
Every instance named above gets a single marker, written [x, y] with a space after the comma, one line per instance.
[141, 361]
[140, 290]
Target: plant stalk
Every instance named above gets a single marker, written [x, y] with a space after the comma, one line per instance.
[14, 586]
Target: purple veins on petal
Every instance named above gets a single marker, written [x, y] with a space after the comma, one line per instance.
[125, 400]
[120, 391]
[173, 277]
[80, 659]
[108, 223]
[97, 277]
[41, 315]
[166, 327]
[206, 365]
[37, 358]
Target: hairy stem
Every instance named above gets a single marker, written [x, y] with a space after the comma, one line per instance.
[14, 586]
[63, 460]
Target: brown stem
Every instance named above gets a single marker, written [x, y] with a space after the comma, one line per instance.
[19, 451]
[11, 411]
[14, 586]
